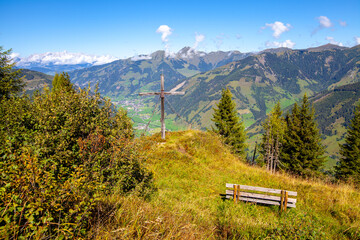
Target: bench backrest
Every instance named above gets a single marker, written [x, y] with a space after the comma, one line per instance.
[266, 195]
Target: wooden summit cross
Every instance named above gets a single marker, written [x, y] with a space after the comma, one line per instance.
[162, 94]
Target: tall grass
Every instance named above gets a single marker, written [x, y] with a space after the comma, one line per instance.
[191, 169]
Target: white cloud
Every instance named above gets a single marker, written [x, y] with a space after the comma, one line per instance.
[141, 57]
[14, 57]
[343, 23]
[191, 52]
[198, 39]
[63, 58]
[278, 28]
[165, 31]
[357, 40]
[324, 22]
[287, 44]
[332, 41]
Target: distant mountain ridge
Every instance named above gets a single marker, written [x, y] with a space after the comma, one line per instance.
[281, 66]
[124, 78]
[56, 62]
[35, 81]
[259, 81]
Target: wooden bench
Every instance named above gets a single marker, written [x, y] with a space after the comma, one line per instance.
[242, 192]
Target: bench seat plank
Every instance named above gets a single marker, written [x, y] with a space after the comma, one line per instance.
[260, 196]
[245, 199]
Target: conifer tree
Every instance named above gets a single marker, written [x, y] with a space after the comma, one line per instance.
[349, 165]
[302, 151]
[10, 80]
[61, 82]
[228, 124]
[274, 128]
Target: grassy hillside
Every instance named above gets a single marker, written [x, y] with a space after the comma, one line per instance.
[191, 169]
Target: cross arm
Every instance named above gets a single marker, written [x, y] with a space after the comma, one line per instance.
[150, 93]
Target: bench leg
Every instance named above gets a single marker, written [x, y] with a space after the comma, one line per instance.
[235, 192]
[285, 200]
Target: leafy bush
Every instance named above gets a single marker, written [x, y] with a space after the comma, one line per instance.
[61, 151]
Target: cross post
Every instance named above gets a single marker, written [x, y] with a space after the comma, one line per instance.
[162, 94]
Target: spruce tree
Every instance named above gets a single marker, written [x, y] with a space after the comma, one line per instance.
[10, 80]
[274, 128]
[62, 82]
[302, 151]
[228, 124]
[349, 164]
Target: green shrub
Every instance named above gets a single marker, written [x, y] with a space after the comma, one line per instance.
[60, 152]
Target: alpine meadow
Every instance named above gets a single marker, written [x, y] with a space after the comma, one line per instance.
[180, 120]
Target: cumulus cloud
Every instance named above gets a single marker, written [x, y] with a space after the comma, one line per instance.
[287, 44]
[198, 39]
[332, 41]
[357, 40]
[324, 22]
[278, 28]
[64, 58]
[165, 31]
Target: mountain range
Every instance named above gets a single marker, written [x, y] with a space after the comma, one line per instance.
[57, 62]
[329, 74]
[124, 78]
[259, 81]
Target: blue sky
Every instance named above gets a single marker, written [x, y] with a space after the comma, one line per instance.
[127, 28]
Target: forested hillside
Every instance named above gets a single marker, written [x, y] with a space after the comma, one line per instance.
[333, 111]
[35, 80]
[259, 81]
